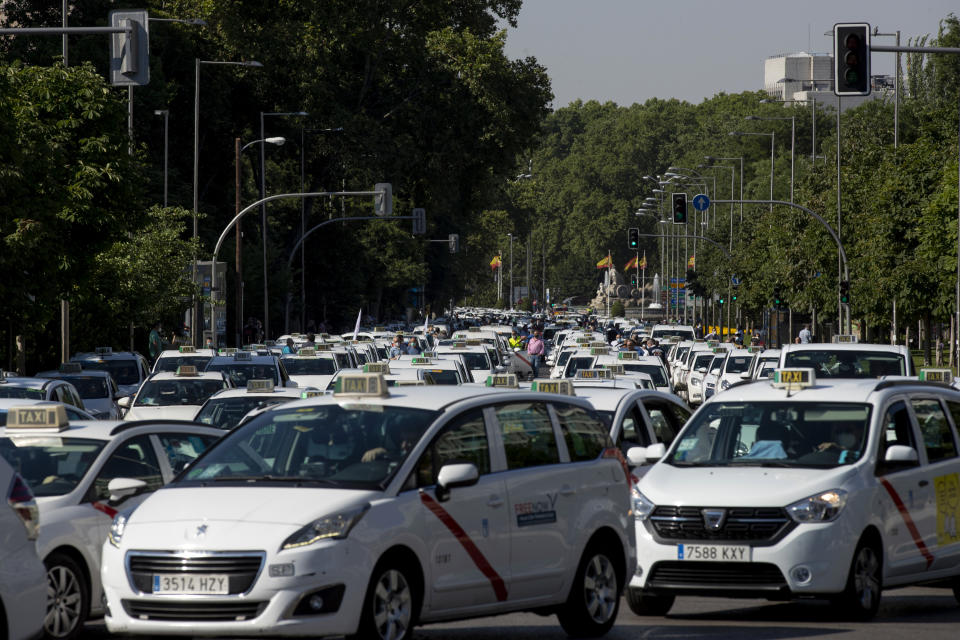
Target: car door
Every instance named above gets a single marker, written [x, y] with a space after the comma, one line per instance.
[903, 497]
[176, 451]
[540, 501]
[632, 430]
[467, 535]
[665, 418]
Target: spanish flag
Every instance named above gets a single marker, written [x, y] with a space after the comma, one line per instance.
[643, 263]
[606, 263]
[496, 262]
[632, 264]
[691, 262]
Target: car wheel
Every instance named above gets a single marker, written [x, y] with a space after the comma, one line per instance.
[647, 605]
[68, 598]
[594, 600]
[390, 607]
[861, 598]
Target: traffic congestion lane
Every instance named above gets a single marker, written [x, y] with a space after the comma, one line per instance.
[932, 614]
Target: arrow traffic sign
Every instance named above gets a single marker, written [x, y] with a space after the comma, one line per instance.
[701, 202]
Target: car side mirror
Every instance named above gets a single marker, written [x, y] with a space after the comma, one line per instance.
[702, 369]
[745, 375]
[900, 454]
[455, 475]
[122, 488]
[125, 402]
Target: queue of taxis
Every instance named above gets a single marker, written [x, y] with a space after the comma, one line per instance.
[174, 395]
[804, 487]
[128, 368]
[80, 474]
[373, 509]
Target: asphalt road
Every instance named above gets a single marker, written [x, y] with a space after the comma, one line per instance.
[917, 612]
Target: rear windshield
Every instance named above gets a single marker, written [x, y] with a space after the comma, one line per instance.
[240, 372]
[123, 371]
[310, 366]
[171, 363]
[655, 372]
[21, 393]
[226, 413]
[683, 334]
[89, 387]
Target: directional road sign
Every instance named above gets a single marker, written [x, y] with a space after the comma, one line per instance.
[701, 202]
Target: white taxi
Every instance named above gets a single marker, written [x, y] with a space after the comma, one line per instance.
[311, 367]
[226, 409]
[246, 365]
[803, 487]
[174, 396]
[80, 474]
[371, 510]
[173, 359]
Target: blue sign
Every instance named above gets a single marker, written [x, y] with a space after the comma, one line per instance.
[735, 281]
[701, 202]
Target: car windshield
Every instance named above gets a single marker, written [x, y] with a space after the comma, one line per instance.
[702, 361]
[738, 364]
[440, 376]
[781, 434]
[310, 366]
[168, 393]
[51, 465]
[475, 361]
[171, 363]
[123, 371]
[226, 413]
[682, 334]
[90, 387]
[654, 371]
[355, 445]
[717, 364]
[26, 393]
[847, 363]
[575, 364]
[240, 372]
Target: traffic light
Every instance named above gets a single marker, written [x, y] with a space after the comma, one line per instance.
[633, 238]
[130, 50]
[777, 297]
[844, 292]
[383, 201]
[679, 208]
[633, 280]
[722, 300]
[851, 59]
[454, 240]
[733, 297]
[419, 221]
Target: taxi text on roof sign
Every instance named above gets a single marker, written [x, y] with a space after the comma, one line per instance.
[308, 393]
[508, 380]
[243, 355]
[599, 351]
[70, 367]
[186, 370]
[628, 355]
[798, 378]
[936, 375]
[49, 417]
[309, 351]
[376, 367]
[360, 384]
[102, 351]
[260, 386]
[754, 349]
[617, 369]
[188, 349]
[595, 374]
[845, 339]
[563, 387]
[419, 360]
[228, 351]
[429, 354]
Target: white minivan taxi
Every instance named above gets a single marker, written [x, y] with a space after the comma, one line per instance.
[804, 488]
[373, 509]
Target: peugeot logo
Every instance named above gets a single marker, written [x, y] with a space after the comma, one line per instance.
[201, 531]
[713, 519]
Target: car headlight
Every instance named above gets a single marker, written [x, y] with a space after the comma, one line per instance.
[642, 507]
[328, 527]
[823, 507]
[118, 526]
[725, 385]
[695, 380]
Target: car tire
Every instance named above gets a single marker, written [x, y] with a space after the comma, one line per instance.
[391, 605]
[594, 600]
[648, 605]
[860, 599]
[68, 598]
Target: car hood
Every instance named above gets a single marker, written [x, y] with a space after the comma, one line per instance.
[737, 486]
[278, 504]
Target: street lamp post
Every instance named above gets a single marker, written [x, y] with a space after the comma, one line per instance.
[238, 150]
[510, 235]
[166, 145]
[194, 319]
[263, 215]
[793, 131]
[772, 138]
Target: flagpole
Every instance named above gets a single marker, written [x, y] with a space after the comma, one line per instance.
[609, 267]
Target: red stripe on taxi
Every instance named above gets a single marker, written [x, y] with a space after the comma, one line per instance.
[911, 527]
[107, 509]
[475, 554]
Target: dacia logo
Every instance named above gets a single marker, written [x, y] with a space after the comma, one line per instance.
[713, 519]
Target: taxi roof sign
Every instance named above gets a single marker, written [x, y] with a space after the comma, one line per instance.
[845, 339]
[361, 384]
[563, 387]
[473, 329]
[474, 342]
[307, 351]
[266, 385]
[506, 380]
[228, 351]
[628, 355]
[617, 369]
[310, 393]
[101, 351]
[794, 378]
[420, 360]
[459, 345]
[186, 370]
[936, 375]
[188, 349]
[429, 354]
[586, 341]
[754, 349]
[595, 374]
[243, 355]
[70, 367]
[599, 351]
[377, 367]
[598, 344]
[50, 417]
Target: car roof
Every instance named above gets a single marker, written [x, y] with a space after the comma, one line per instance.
[278, 392]
[172, 375]
[66, 375]
[176, 353]
[826, 390]
[113, 355]
[845, 346]
[27, 382]
[255, 358]
[109, 429]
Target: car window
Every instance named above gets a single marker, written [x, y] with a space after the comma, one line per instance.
[464, 440]
[134, 459]
[935, 429]
[528, 438]
[666, 419]
[897, 429]
[182, 448]
[633, 432]
[584, 431]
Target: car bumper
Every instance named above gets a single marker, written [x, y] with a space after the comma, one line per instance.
[810, 560]
[336, 571]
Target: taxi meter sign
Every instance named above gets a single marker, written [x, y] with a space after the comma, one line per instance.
[376, 367]
[616, 369]
[260, 386]
[594, 374]
[793, 378]
[50, 417]
[562, 387]
[936, 375]
[506, 380]
[360, 384]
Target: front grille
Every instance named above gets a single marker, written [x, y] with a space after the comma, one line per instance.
[242, 568]
[726, 575]
[741, 524]
[193, 611]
